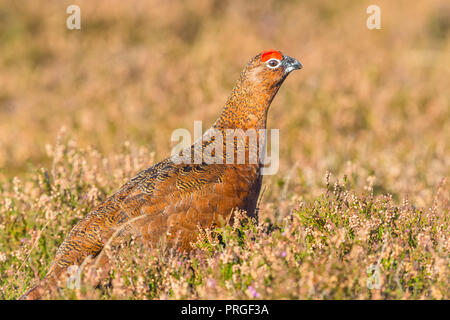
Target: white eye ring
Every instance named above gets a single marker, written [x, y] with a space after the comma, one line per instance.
[274, 66]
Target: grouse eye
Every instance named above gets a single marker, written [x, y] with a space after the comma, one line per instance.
[273, 63]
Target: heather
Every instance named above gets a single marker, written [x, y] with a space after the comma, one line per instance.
[362, 191]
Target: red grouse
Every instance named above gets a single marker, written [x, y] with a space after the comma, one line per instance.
[168, 201]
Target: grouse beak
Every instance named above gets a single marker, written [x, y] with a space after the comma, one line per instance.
[290, 64]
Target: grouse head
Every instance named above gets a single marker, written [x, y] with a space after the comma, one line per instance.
[255, 89]
[269, 68]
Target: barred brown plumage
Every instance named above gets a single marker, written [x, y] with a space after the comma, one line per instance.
[170, 199]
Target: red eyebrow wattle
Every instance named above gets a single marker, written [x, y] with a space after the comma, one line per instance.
[269, 54]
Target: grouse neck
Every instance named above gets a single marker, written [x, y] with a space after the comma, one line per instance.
[247, 106]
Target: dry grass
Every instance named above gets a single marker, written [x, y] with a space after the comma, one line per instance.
[371, 107]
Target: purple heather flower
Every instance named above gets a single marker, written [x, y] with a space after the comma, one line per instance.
[211, 283]
[253, 292]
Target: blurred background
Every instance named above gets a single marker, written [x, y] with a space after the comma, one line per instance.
[373, 105]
